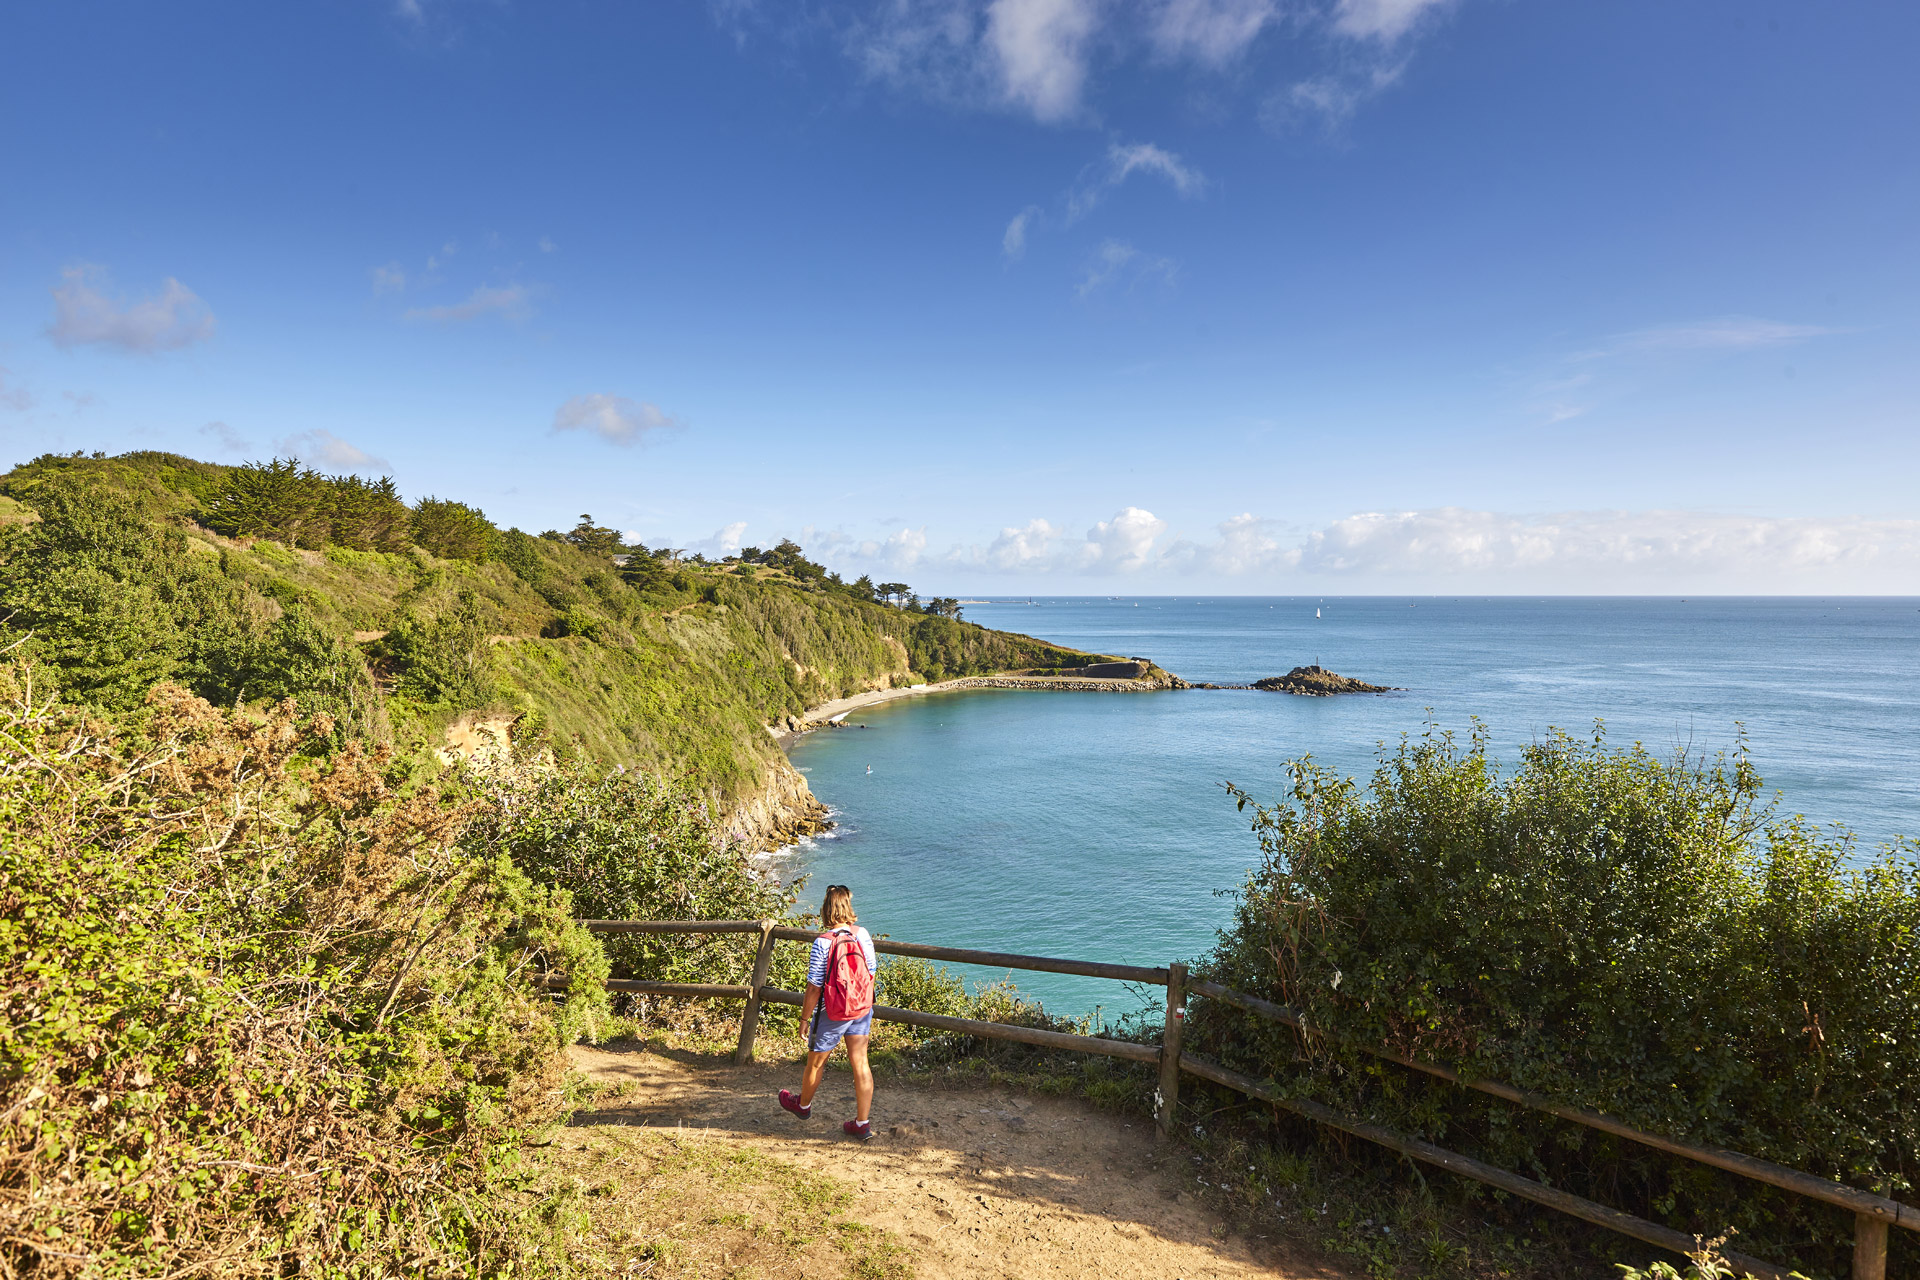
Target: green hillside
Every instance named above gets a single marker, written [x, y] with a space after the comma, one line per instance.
[250, 584]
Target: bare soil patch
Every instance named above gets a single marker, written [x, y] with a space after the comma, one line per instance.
[964, 1182]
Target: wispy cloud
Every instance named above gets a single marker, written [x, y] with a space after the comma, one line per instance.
[615, 419]
[547, 245]
[391, 278]
[1044, 58]
[1381, 19]
[1014, 242]
[1122, 162]
[322, 448]
[509, 302]
[1211, 32]
[1096, 182]
[1729, 333]
[1116, 262]
[84, 315]
[231, 441]
[12, 396]
[1331, 98]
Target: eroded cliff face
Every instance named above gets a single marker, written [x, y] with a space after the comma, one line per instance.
[781, 811]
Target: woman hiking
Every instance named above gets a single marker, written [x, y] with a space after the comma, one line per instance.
[839, 1006]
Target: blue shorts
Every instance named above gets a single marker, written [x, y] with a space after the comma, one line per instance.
[827, 1033]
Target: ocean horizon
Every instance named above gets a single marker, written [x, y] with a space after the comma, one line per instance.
[1095, 825]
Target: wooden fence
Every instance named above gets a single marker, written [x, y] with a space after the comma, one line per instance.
[1873, 1214]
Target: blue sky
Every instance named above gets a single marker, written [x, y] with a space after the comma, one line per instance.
[1009, 295]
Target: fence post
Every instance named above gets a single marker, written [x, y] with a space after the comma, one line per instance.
[750, 1020]
[1869, 1247]
[1170, 1046]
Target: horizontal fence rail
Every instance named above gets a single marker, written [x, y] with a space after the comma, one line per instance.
[1873, 1214]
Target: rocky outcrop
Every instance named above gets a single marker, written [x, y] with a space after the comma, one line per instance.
[1317, 682]
[780, 812]
[480, 741]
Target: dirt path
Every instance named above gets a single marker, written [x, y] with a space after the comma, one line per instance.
[976, 1182]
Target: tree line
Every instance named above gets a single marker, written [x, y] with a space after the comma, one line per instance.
[292, 503]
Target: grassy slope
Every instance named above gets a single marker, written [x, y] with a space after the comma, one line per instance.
[681, 679]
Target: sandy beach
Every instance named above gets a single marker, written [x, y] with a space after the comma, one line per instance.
[828, 712]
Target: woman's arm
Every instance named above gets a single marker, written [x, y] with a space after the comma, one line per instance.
[806, 1005]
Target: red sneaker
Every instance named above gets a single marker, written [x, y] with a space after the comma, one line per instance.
[791, 1103]
[861, 1129]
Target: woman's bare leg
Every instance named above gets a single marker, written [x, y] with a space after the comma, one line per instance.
[817, 1067]
[862, 1076]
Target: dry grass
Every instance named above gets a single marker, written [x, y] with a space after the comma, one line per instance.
[680, 1202]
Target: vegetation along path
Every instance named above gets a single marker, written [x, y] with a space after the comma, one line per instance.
[973, 1182]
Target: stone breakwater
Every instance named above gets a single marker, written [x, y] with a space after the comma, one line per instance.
[1080, 685]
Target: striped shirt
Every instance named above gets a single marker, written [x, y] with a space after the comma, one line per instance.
[817, 959]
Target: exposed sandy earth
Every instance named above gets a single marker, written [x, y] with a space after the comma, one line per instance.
[977, 1181]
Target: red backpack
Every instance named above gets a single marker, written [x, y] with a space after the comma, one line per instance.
[848, 991]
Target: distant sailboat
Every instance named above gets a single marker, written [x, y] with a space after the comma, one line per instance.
[1316, 613]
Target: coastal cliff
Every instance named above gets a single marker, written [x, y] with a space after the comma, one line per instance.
[449, 639]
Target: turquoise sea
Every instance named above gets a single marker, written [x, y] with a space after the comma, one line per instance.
[1093, 825]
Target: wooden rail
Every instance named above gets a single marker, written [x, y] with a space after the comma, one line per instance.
[1873, 1214]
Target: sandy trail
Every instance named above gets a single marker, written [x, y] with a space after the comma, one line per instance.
[980, 1182]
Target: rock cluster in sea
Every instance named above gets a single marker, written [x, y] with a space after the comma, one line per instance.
[1317, 682]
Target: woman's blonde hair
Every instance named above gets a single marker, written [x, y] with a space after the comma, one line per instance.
[836, 908]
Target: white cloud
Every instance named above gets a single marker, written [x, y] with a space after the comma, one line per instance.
[230, 440]
[724, 542]
[322, 448]
[613, 418]
[1124, 542]
[1380, 19]
[84, 315]
[548, 246]
[1041, 50]
[1030, 546]
[1116, 260]
[849, 556]
[1014, 242]
[1212, 32]
[16, 398]
[1449, 549]
[1031, 55]
[1646, 549]
[1046, 57]
[509, 302]
[391, 278]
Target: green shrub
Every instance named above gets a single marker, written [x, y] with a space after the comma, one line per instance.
[262, 1018]
[627, 846]
[1639, 937]
[453, 530]
[445, 660]
[908, 982]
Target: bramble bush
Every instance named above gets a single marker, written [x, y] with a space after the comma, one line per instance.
[1640, 937]
[629, 846]
[263, 1013]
